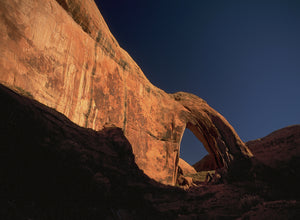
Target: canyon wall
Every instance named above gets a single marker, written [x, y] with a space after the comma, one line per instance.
[62, 54]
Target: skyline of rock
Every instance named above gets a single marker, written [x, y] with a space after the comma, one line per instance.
[69, 60]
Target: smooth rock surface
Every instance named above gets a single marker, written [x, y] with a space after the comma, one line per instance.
[185, 167]
[62, 54]
[205, 164]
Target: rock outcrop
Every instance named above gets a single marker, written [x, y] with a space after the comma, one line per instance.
[281, 146]
[205, 164]
[279, 150]
[62, 54]
[185, 167]
[52, 168]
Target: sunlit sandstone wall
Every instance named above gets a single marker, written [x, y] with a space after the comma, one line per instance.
[62, 54]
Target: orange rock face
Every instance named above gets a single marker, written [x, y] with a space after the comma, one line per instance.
[185, 167]
[62, 54]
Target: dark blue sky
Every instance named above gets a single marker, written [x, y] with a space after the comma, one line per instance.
[242, 57]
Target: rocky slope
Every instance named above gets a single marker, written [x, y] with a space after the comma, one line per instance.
[279, 147]
[52, 168]
[62, 54]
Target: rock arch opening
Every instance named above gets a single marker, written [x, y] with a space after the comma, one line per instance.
[198, 159]
[215, 158]
[197, 150]
[192, 149]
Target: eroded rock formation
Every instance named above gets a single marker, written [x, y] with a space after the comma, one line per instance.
[205, 164]
[278, 150]
[185, 167]
[52, 168]
[62, 54]
[279, 147]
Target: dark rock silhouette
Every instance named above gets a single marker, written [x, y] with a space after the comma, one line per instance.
[52, 168]
[48, 162]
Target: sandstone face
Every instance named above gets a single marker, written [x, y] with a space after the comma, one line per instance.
[52, 168]
[62, 54]
[185, 167]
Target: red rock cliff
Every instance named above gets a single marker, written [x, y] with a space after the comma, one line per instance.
[62, 54]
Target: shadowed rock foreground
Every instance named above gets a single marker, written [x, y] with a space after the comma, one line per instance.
[52, 168]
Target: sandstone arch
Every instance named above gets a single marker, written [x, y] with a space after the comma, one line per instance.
[191, 148]
[213, 130]
[68, 60]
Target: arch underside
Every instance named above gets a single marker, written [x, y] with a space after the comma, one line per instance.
[218, 161]
[213, 130]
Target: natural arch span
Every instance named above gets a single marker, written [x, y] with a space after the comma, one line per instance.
[191, 148]
[217, 158]
[81, 71]
[213, 130]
